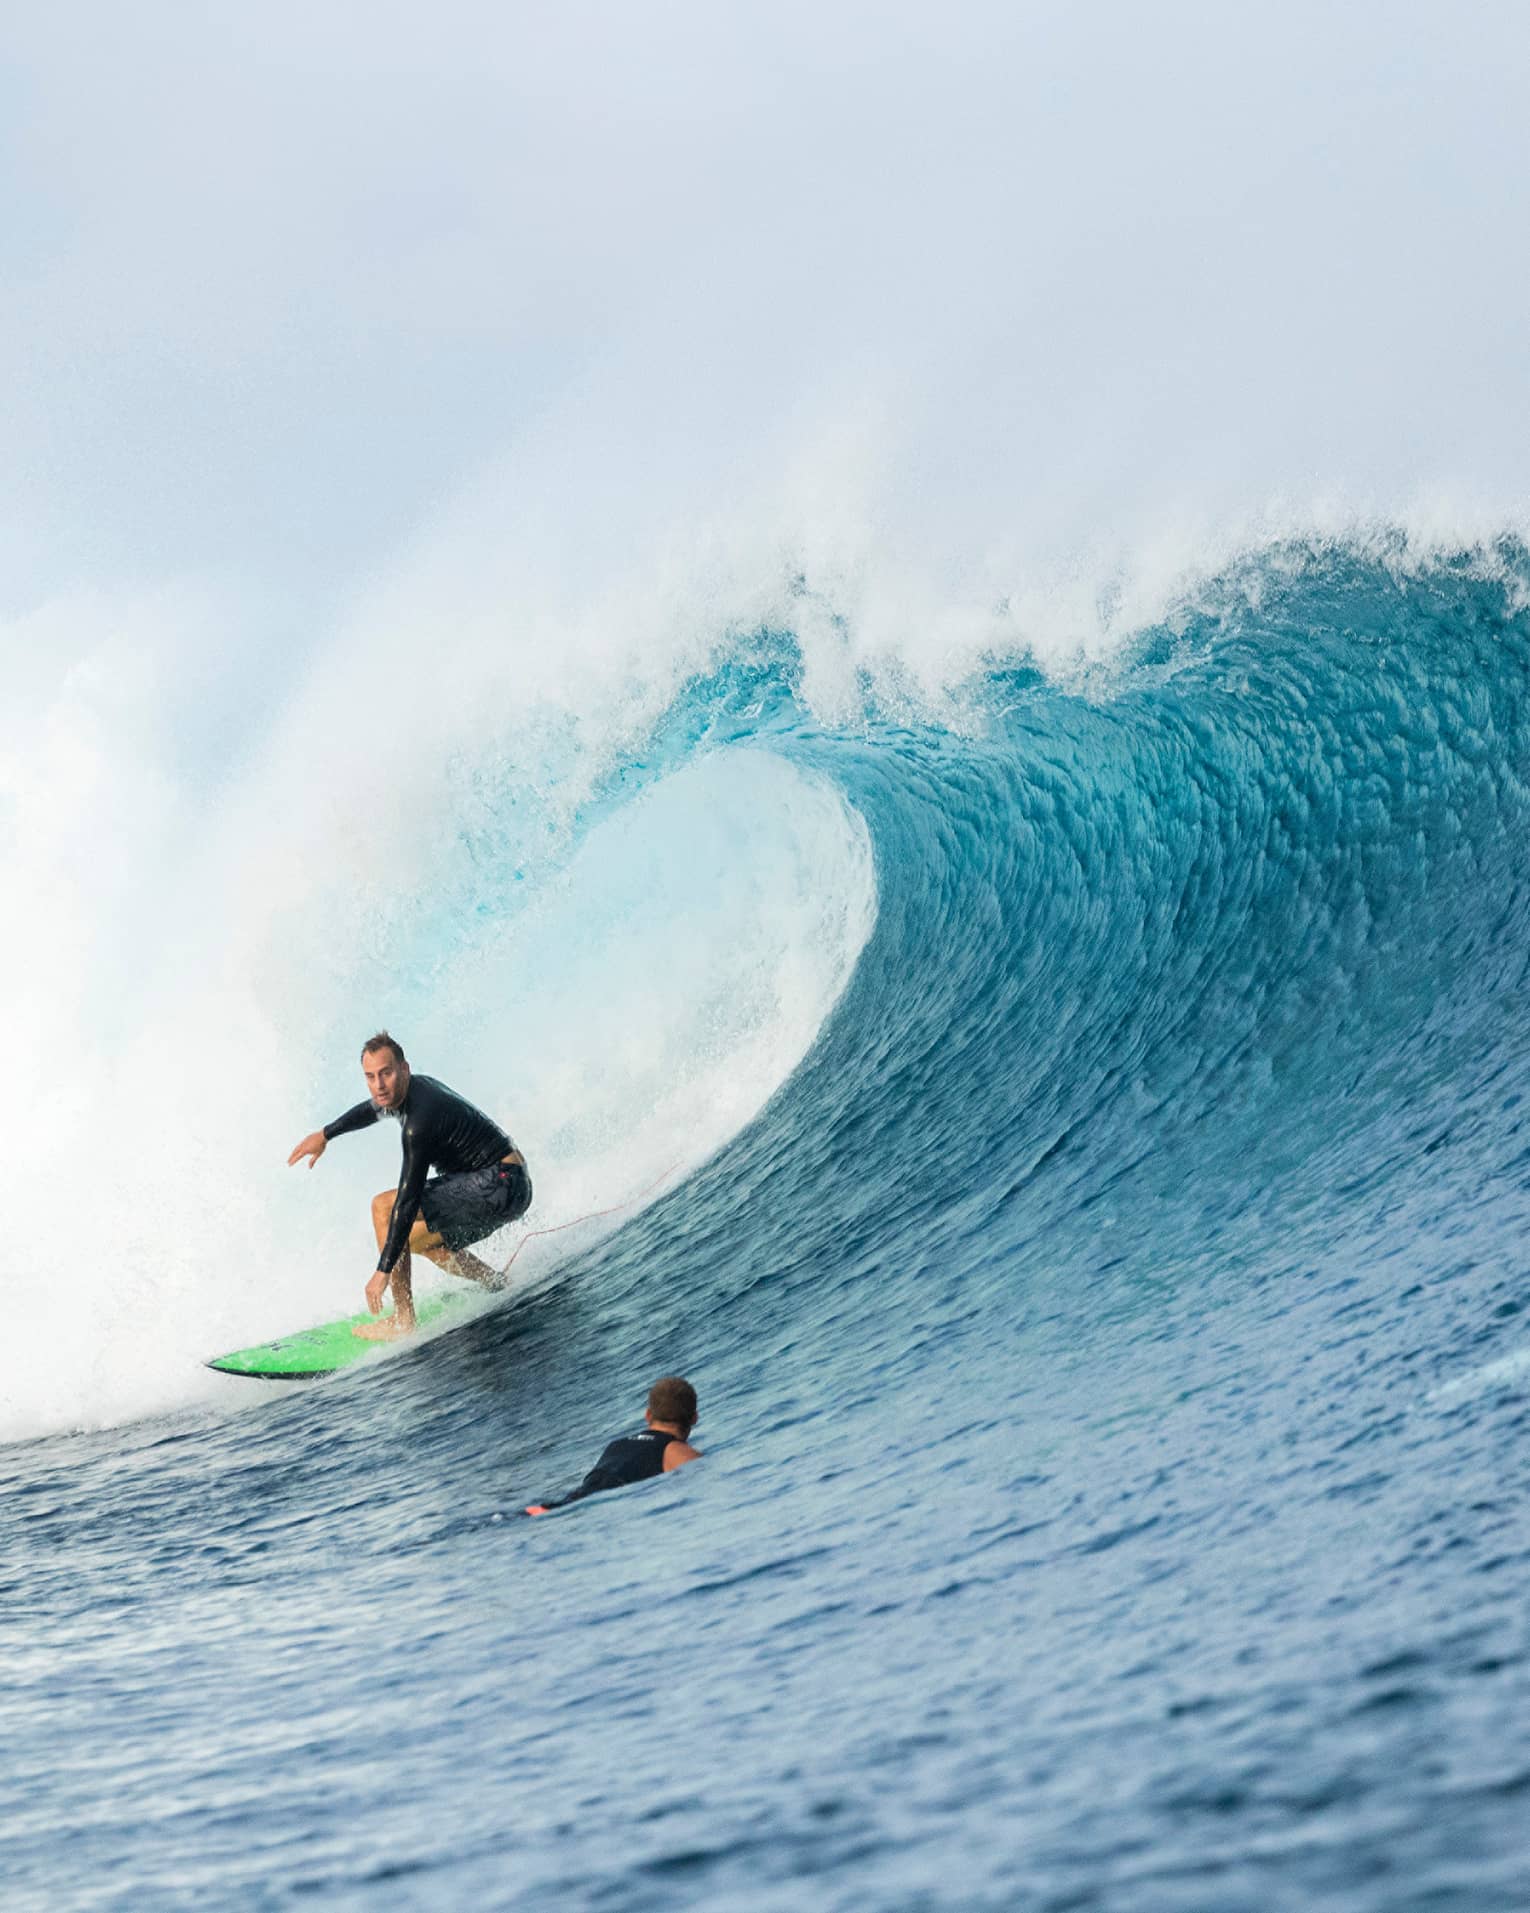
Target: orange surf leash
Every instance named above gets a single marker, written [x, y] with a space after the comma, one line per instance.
[593, 1216]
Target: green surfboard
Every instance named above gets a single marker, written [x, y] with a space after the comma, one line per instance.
[321, 1351]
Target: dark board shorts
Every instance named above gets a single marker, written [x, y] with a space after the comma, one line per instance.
[464, 1209]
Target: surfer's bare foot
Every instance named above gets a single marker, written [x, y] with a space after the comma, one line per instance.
[385, 1330]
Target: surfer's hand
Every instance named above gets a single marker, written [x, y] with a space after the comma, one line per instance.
[312, 1146]
[377, 1288]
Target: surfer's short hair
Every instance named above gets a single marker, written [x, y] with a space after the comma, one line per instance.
[673, 1399]
[382, 1040]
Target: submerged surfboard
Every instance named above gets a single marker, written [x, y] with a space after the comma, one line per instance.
[321, 1351]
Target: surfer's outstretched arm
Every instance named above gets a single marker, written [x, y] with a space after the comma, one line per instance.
[361, 1116]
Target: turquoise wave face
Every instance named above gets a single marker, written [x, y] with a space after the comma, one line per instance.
[1108, 1336]
[1181, 973]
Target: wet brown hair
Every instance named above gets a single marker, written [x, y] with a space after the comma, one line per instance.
[382, 1040]
[673, 1399]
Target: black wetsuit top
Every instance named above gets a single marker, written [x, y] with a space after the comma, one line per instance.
[627, 1459]
[443, 1131]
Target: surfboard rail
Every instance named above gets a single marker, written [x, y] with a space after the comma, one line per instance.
[311, 1353]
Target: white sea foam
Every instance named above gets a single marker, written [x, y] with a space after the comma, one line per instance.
[1510, 1371]
[201, 1010]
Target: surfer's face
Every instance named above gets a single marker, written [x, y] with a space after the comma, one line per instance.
[387, 1078]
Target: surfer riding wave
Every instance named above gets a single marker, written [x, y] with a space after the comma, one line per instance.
[482, 1182]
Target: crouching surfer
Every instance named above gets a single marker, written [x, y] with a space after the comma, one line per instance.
[657, 1449]
[481, 1186]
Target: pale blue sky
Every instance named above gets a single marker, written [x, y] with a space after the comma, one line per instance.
[275, 283]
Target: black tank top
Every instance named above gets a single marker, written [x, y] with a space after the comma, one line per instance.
[627, 1459]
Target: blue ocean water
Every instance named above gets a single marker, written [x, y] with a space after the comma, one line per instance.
[1112, 1350]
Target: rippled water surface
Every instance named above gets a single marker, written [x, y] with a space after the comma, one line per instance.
[1112, 1351]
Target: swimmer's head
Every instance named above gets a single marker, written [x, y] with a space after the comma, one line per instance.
[673, 1400]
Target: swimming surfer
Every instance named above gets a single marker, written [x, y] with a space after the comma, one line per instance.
[659, 1448]
[482, 1183]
